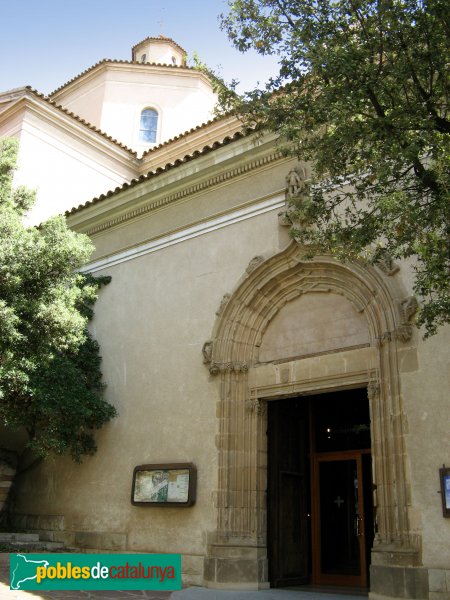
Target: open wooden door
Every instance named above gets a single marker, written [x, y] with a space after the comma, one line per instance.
[288, 493]
[320, 505]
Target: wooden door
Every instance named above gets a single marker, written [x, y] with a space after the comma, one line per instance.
[341, 526]
[288, 493]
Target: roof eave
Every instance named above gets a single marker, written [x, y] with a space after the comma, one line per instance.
[106, 62]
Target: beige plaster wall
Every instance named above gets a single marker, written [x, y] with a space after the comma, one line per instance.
[151, 322]
[113, 97]
[182, 101]
[63, 169]
[426, 397]
[85, 99]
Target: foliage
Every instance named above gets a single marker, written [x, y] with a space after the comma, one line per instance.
[362, 93]
[50, 379]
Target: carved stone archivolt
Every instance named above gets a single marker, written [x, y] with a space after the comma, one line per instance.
[242, 420]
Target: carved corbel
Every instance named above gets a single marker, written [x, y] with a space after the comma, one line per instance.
[286, 216]
[214, 369]
[408, 308]
[387, 265]
[373, 389]
[254, 263]
[257, 406]
[403, 332]
[236, 367]
[207, 351]
[284, 220]
[223, 303]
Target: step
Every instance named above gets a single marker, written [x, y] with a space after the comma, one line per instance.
[18, 537]
[36, 546]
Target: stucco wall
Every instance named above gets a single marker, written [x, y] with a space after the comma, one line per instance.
[63, 169]
[426, 385]
[113, 97]
[151, 322]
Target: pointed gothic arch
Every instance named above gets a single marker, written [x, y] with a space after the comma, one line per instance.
[245, 385]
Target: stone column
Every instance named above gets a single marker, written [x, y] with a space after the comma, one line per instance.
[237, 557]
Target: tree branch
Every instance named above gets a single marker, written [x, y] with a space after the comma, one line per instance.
[283, 12]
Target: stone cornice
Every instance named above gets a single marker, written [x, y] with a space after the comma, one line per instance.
[157, 201]
[189, 230]
[181, 173]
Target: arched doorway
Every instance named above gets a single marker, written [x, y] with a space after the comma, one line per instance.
[256, 369]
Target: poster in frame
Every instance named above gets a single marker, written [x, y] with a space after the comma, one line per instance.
[164, 484]
[444, 476]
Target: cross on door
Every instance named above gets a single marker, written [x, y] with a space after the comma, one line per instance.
[338, 501]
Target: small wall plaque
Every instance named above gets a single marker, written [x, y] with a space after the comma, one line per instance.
[444, 476]
[169, 484]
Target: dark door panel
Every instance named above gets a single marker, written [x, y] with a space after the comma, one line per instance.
[288, 493]
[340, 524]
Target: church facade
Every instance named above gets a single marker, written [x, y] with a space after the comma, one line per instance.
[297, 396]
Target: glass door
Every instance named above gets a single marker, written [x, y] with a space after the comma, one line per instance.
[340, 552]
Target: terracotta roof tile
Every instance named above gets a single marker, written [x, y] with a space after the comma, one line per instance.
[160, 38]
[79, 119]
[117, 62]
[168, 167]
[182, 135]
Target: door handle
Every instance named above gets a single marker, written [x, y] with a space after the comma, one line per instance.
[359, 530]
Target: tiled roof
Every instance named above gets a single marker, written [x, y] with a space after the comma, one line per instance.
[80, 120]
[160, 38]
[117, 62]
[159, 171]
[182, 135]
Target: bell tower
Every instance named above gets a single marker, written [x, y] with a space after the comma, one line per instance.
[160, 50]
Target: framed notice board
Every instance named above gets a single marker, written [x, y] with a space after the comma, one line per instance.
[444, 476]
[164, 484]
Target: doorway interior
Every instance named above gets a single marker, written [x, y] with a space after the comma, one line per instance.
[319, 496]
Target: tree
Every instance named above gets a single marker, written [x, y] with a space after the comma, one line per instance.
[362, 93]
[50, 379]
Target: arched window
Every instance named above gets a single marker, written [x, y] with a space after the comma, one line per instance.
[149, 126]
[143, 58]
